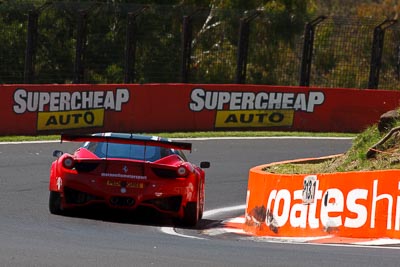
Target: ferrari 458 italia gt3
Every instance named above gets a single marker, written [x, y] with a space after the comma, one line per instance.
[127, 171]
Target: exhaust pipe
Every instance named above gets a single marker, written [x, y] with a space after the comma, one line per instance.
[114, 201]
[130, 201]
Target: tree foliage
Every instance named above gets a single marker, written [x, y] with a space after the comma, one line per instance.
[341, 56]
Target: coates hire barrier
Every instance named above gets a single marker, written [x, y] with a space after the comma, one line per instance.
[49, 109]
[297, 205]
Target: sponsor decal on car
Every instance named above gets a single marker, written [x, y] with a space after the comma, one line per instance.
[59, 183]
[125, 184]
[254, 109]
[121, 175]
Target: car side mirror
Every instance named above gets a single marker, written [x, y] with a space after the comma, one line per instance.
[57, 153]
[204, 164]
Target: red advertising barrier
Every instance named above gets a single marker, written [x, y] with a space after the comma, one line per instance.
[364, 204]
[48, 109]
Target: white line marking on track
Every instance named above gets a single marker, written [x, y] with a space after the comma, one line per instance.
[223, 210]
[380, 242]
[171, 230]
[348, 245]
[201, 139]
[239, 220]
[29, 142]
[263, 137]
[383, 243]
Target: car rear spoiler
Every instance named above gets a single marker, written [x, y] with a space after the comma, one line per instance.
[120, 140]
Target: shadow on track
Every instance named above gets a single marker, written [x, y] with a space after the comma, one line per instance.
[140, 216]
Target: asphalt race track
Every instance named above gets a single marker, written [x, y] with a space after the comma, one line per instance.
[31, 236]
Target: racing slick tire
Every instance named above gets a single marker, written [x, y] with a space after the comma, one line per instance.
[191, 214]
[55, 203]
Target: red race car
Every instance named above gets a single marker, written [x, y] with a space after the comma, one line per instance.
[127, 171]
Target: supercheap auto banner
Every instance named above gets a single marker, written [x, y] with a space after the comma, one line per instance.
[48, 109]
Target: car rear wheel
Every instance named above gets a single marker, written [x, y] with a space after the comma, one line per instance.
[55, 203]
[191, 214]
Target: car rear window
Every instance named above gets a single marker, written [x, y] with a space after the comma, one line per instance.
[114, 150]
[126, 151]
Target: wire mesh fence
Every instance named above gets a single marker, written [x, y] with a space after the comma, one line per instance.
[342, 53]
[275, 50]
[343, 50]
[65, 42]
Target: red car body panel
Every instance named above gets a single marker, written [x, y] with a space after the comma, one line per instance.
[125, 183]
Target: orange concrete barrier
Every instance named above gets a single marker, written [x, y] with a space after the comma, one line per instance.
[350, 204]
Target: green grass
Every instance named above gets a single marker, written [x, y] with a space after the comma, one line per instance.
[195, 135]
[355, 159]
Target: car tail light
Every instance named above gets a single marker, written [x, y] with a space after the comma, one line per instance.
[182, 171]
[68, 162]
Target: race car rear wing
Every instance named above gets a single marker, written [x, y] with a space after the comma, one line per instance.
[134, 141]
